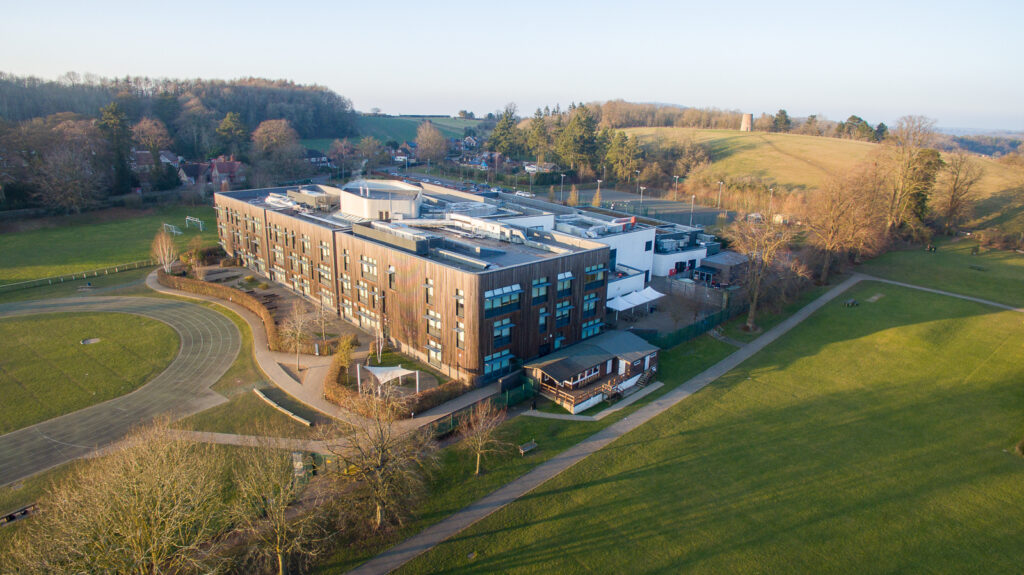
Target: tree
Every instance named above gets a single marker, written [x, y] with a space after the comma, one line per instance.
[114, 126]
[371, 149]
[194, 128]
[152, 505]
[385, 463]
[151, 135]
[956, 195]
[163, 250]
[782, 122]
[232, 132]
[596, 201]
[431, 145]
[265, 493]
[342, 359]
[192, 257]
[478, 431]
[323, 317]
[277, 151]
[506, 137]
[61, 164]
[763, 242]
[576, 144]
[293, 330]
[840, 218]
[574, 197]
[551, 193]
[537, 140]
[906, 172]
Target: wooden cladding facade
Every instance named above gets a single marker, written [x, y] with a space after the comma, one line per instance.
[456, 339]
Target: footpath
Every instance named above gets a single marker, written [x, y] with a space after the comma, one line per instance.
[310, 392]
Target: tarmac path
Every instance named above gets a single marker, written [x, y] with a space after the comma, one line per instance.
[209, 344]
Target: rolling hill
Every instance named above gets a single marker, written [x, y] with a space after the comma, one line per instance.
[398, 128]
[804, 162]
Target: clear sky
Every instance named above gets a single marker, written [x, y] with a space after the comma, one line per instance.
[957, 62]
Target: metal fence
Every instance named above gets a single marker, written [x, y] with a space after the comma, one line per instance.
[503, 400]
[57, 280]
[696, 329]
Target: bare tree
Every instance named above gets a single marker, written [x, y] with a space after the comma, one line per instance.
[478, 431]
[840, 218]
[431, 145]
[151, 506]
[151, 135]
[323, 316]
[265, 511]
[163, 250]
[904, 168]
[763, 242]
[385, 463]
[955, 196]
[293, 330]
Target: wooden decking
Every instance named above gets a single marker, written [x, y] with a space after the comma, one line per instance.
[573, 397]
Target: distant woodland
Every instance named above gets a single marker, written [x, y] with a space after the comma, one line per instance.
[66, 143]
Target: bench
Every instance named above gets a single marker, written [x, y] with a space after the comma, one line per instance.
[527, 447]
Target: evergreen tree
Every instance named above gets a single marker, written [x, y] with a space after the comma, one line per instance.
[782, 121]
[537, 141]
[115, 128]
[505, 138]
[574, 196]
[232, 132]
[596, 202]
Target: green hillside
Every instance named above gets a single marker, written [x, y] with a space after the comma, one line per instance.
[804, 162]
[403, 128]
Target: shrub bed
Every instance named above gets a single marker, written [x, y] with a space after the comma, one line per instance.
[225, 293]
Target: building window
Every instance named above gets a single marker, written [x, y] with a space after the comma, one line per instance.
[391, 279]
[460, 303]
[364, 292]
[591, 328]
[559, 342]
[542, 323]
[326, 298]
[278, 254]
[498, 363]
[647, 246]
[460, 335]
[590, 304]
[346, 309]
[325, 273]
[305, 263]
[502, 300]
[564, 284]
[346, 284]
[539, 291]
[433, 323]
[305, 244]
[325, 251]
[428, 290]
[502, 332]
[594, 276]
[563, 313]
[344, 260]
[433, 353]
[369, 267]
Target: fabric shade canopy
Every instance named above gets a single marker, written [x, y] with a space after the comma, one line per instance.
[385, 374]
[634, 299]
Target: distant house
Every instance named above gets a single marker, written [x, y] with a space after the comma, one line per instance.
[141, 161]
[542, 168]
[317, 158]
[192, 173]
[169, 158]
[469, 142]
[226, 171]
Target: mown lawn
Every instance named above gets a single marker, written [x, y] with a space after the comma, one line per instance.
[45, 371]
[870, 439]
[953, 268]
[452, 485]
[110, 284]
[95, 240]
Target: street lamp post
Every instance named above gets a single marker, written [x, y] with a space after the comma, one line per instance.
[598, 193]
[720, 184]
[771, 201]
[693, 198]
[638, 185]
[675, 188]
[642, 188]
[561, 190]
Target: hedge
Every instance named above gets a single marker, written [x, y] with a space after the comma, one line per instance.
[225, 293]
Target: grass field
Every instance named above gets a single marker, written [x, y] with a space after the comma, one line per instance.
[1000, 279]
[45, 371]
[869, 439]
[94, 240]
[804, 162]
[453, 486]
[398, 128]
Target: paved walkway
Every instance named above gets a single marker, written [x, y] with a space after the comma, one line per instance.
[428, 538]
[941, 292]
[209, 345]
[311, 391]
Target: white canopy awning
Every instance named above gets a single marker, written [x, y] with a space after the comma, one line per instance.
[634, 299]
[387, 373]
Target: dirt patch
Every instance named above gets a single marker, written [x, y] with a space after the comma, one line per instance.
[876, 297]
[90, 341]
[98, 216]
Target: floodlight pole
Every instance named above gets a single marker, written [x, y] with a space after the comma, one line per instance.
[693, 199]
[561, 190]
[720, 184]
[642, 188]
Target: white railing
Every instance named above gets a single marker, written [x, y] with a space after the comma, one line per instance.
[57, 280]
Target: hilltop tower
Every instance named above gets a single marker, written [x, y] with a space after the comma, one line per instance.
[747, 123]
